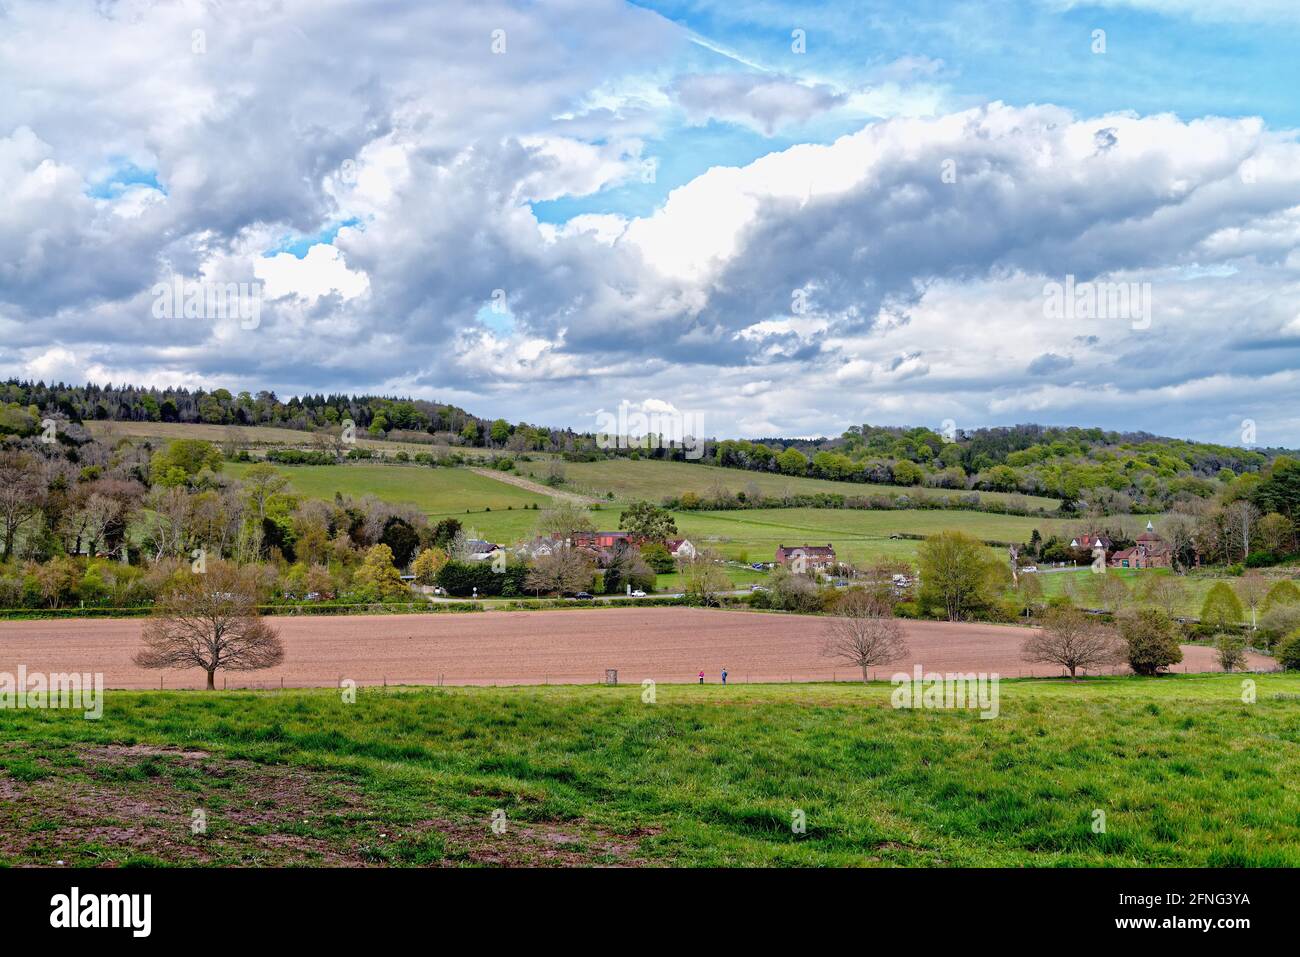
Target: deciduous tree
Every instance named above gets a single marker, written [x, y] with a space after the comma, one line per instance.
[210, 621]
[863, 633]
[1072, 639]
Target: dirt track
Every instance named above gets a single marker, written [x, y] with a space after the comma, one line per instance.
[666, 644]
[529, 485]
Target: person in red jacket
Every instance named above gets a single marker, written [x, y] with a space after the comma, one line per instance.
[701, 676]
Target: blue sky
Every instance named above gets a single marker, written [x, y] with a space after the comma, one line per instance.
[663, 203]
[1018, 52]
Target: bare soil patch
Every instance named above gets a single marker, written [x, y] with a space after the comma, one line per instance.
[557, 647]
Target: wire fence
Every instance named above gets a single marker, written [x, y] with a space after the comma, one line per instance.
[625, 678]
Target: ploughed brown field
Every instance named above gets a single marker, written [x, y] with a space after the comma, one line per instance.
[557, 647]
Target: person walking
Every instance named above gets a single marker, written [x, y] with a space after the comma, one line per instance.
[724, 675]
[701, 676]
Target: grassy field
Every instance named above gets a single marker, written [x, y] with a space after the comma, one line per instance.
[1083, 583]
[1184, 772]
[435, 491]
[752, 534]
[858, 535]
[257, 437]
[652, 480]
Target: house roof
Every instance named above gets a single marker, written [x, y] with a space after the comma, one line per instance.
[806, 549]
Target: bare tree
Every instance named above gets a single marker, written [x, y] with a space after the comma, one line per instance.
[1252, 589]
[562, 519]
[1180, 531]
[167, 522]
[703, 580]
[20, 495]
[1072, 639]
[565, 570]
[1166, 592]
[210, 621]
[863, 633]
[1240, 518]
[1112, 593]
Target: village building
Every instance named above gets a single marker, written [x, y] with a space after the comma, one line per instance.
[1089, 542]
[478, 550]
[1149, 551]
[810, 556]
[680, 548]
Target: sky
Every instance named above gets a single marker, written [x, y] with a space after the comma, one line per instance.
[767, 218]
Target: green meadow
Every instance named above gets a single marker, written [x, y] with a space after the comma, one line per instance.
[859, 535]
[652, 480]
[435, 491]
[502, 512]
[1182, 771]
[1083, 584]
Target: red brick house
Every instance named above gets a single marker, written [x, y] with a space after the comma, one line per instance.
[1088, 542]
[1150, 551]
[602, 539]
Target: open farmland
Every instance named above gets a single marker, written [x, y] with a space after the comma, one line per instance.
[435, 491]
[1186, 774]
[859, 535]
[652, 480]
[534, 647]
[752, 534]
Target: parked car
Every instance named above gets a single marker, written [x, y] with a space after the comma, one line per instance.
[757, 588]
[583, 596]
[1029, 569]
[637, 594]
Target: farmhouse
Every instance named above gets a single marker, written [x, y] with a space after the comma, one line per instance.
[477, 550]
[600, 540]
[537, 547]
[811, 556]
[1150, 551]
[680, 548]
[1089, 542]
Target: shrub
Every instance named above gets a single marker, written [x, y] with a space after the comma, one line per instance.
[1277, 622]
[1284, 592]
[1151, 641]
[1222, 608]
[299, 457]
[1288, 652]
[1231, 651]
[658, 557]
[461, 578]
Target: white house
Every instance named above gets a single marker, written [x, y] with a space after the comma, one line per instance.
[680, 548]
